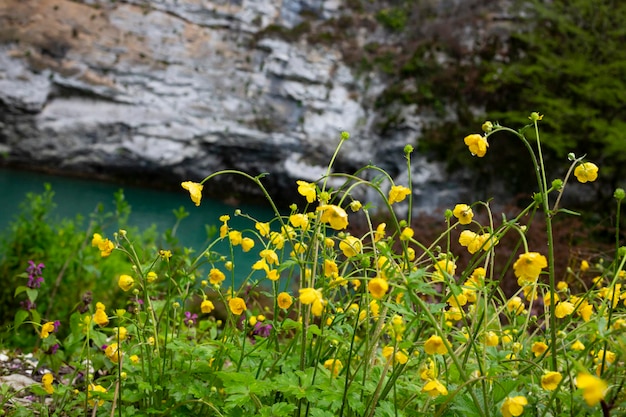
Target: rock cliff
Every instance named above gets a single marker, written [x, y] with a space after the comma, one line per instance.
[166, 90]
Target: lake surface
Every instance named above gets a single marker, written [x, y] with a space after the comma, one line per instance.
[149, 206]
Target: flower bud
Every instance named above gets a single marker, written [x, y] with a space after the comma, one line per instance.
[557, 184]
[408, 149]
[487, 126]
[534, 116]
[571, 156]
[619, 194]
[345, 135]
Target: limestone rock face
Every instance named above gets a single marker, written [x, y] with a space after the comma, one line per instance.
[169, 90]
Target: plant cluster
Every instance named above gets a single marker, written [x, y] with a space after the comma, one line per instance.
[330, 323]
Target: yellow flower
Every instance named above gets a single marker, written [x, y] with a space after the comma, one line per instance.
[350, 246]
[491, 339]
[563, 308]
[207, 306]
[237, 305]
[165, 254]
[584, 265]
[100, 316]
[105, 246]
[270, 256]
[272, 274]
[125, 282]
[46, 329]
[513, 406]
[586, 172]
[398, 193]
[151, 276]
[380, 232]
[46, 382]
[551, 380]
[407, 233]
[538, 348]
[299, 220]
[528, 267]
[216, 276]
[399, 356]
[235, 237]
[578, 345]
[284, 300]
[263, 228]
[435, 345]
[113, 352]
[443, 267]
[334, 366]
[334, 215]
[195, 191]
[134, 359]
[477, 144]
[95, 388]
[434, 388]
[314, 297]
[594, 388]
[307, 190]
[121, 333]
[464, 213]
[378, 287]
[515, 305]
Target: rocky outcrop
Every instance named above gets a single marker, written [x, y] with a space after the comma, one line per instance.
[165, 90]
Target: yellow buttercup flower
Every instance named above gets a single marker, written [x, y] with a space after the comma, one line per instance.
[594, 388]
[308, 190]
[195, 191]
[121, 333]
[563, 308]
[551, 380]
[237, 305]
[407, 233]
[334, 366]
[46, 329]
[100, 316]
[578, 345]
[284, 300]
[299, 220]
[398, 193]
[477, 144]
[216, 276]
[491, 339]
[435, 345]
[46, 382]
[334, 215]
[435, 388]
[464, 213]
[380, 232]
[235, 237]
[313, 297]
[270, 256]
[125, 282]
[113, 352]
[378, 287]
[207, 306]
[538, 348]
[263, 228]
[95, 388]
[528, 267]
[443, 267]
[586, 172]
[151, 276]
[513, 406]
[105, 246]
[350, 246]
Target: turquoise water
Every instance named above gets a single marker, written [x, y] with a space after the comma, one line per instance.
[149, 206]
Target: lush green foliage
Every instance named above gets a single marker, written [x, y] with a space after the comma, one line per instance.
[73, 269]
[329, 323]
[568, 59]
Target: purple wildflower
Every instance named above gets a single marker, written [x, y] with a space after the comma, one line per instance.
[190, 319]
[261, 329]
[35, 275]
[28, 305]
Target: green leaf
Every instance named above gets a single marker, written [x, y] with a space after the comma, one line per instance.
[20, 316]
